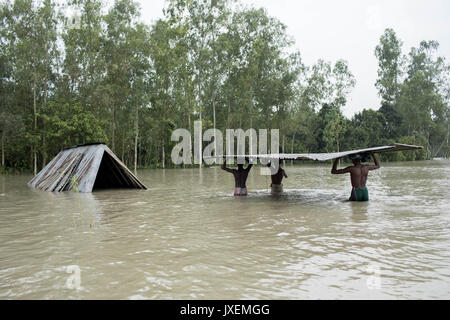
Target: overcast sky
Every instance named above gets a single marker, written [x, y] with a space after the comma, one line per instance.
[350, 30]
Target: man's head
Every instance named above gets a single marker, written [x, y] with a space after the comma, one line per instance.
[356, 159]
[240, 167]
[270, 164]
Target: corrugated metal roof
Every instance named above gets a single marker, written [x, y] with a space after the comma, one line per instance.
[324, 156]
[79, 166]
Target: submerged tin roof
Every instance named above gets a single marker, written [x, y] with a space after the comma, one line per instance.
[78, 167]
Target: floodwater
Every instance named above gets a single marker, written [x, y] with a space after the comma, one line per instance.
[187, 237]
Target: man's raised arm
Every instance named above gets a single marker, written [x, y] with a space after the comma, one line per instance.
[224, 167]
[335, 170]
[249, 164]
[377, 164]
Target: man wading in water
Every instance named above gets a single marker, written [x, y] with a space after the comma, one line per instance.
[358, 175]
[240, 177]
[277, 178]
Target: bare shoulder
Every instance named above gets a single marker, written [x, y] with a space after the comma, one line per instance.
[348, 169]
[372, 167]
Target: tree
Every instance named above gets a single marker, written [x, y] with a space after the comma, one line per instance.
[327, 84]
[392, 121]
[421, 102]
[69, 125]
[126, 56]
[84, 65]
[102, 75]
[332, 126]
[367, 129]
[389, 55]
[32, 30]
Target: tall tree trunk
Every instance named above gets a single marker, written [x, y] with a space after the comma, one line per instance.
[228, 114]
[3, 148]
[292, 145]
[44, 146]
[35, 128]
[141, 160]
[448, 132]
[337, 144]
[113, 131]
[163, 156]
[136, 140]
[123, 147]
[44, 139]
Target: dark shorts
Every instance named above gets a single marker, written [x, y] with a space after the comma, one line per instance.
[359, 194]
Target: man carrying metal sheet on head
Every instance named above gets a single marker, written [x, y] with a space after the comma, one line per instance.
[277, 186]
[358, 174]
[240, 177]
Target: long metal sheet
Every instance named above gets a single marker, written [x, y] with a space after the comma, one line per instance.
[324, 156]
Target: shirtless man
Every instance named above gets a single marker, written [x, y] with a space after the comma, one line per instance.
[277, 178]
[358, 175]
[240, 177]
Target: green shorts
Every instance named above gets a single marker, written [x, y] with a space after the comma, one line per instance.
[360, 194]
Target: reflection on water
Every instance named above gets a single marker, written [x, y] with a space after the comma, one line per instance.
[187, 237]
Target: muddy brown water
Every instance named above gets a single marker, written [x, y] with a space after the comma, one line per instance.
[187, 237]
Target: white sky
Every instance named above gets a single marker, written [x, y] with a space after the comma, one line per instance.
[350, 30]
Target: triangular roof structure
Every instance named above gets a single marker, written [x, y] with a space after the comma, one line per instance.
[85, 168]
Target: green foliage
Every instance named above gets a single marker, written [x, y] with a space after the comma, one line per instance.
[331, 126]
[416, 106]
[108, 77]
[389, 55]
[412, 155]
[68, 125]
[367, 128]
[74, 183]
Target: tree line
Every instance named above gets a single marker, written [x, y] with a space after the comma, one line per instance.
[102, 75]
